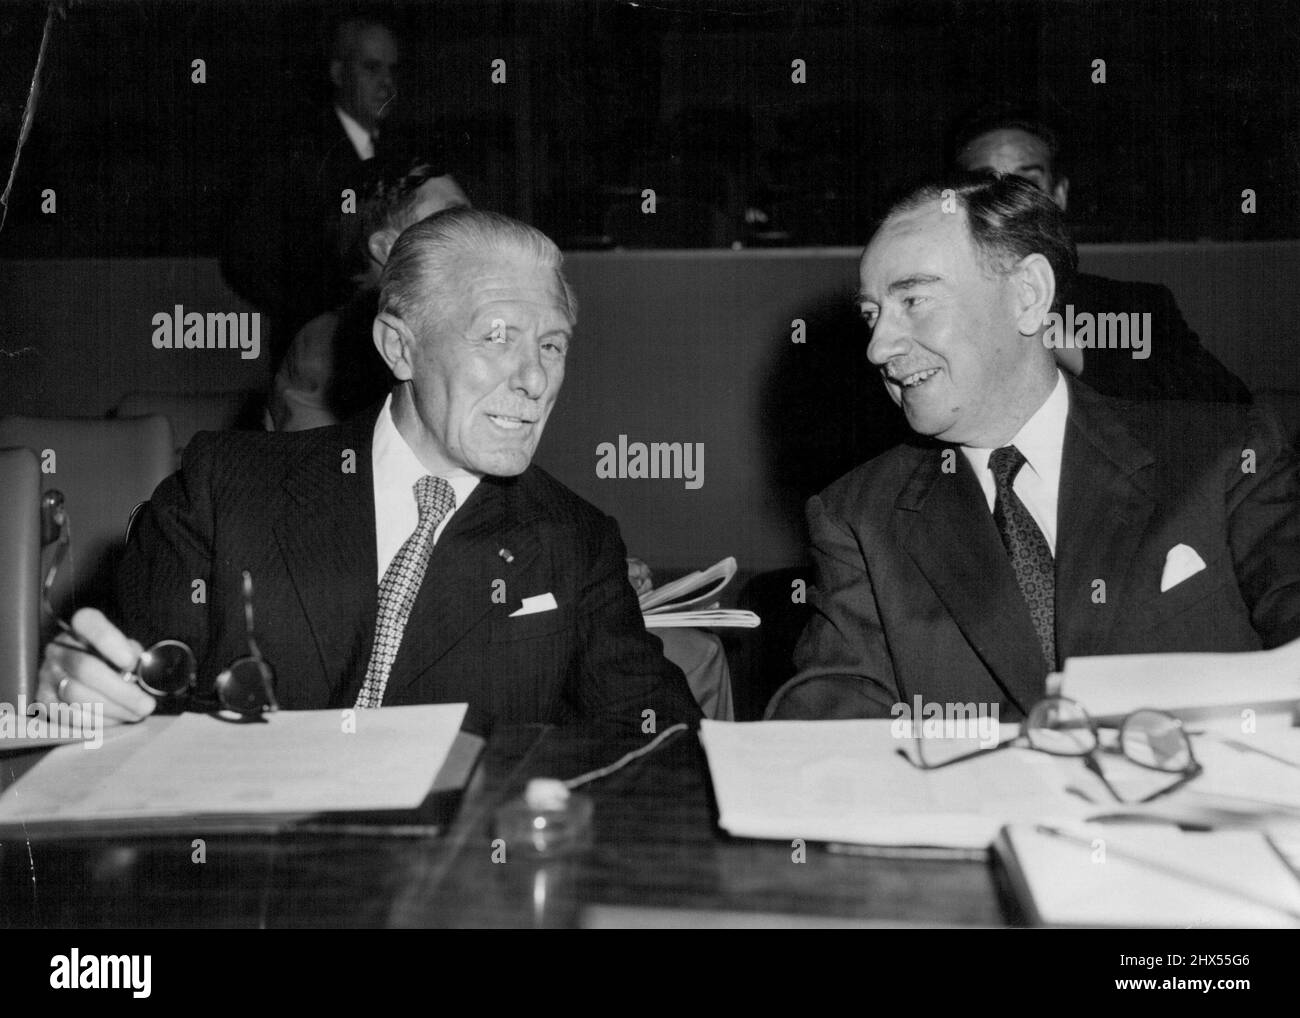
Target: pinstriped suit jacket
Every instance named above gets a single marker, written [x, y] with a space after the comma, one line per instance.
[281, 506]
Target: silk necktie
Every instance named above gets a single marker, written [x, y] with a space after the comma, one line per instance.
[1031, 558]
[401, 582]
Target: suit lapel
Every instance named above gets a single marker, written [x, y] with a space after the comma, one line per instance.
[325, 528]
[458, 586]
[949, 532]
[1102, 514]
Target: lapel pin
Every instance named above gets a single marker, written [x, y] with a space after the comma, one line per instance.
[505, 554]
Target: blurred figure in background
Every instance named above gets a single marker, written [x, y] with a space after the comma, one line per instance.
[291, 230]
[1005, 139]
[332, 369]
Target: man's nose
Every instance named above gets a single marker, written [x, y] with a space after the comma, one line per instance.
[529, 376]
[888, 340]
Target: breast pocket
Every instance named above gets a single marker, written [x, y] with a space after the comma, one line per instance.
[528, 627]
[1187, 596]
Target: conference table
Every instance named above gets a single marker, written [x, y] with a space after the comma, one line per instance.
[655, 857]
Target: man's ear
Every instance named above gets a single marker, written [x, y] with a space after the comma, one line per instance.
[1061, 192]
[1035, 289]
[380, 244]
[395, 342]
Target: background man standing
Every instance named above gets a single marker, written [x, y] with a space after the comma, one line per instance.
[292, 234]
[1002, 139]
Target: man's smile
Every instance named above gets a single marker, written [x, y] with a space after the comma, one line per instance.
[911, 379]
[508, 422]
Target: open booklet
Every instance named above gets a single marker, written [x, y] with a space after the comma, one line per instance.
[692, 601]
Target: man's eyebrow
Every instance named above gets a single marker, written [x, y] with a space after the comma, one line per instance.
[1027, 167]
[906, 283]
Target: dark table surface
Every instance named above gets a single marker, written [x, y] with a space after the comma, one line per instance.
[656, 857]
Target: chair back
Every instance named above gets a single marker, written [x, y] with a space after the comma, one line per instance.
[104, 468]
[193, 412]
[20, 562]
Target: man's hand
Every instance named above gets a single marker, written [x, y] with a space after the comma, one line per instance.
[638, 574]
[72, 676]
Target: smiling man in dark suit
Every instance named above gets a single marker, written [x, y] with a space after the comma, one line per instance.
[412, 554]
[1031, 519]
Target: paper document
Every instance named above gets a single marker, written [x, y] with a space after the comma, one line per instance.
[1185, 684]
[843, 781]
[294, 762]
[1136, 875]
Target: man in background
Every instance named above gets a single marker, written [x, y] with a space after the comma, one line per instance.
[332, 369]
[294, 214]
[1003, 139]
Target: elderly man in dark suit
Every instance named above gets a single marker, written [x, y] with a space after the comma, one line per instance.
[1030, 520]
[413, 554]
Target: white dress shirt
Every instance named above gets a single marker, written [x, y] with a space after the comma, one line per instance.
[1042, 442]
[361, 139]
[396, 468]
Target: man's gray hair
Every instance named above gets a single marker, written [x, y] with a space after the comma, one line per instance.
[418, 283]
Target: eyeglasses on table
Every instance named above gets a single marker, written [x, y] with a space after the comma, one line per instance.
[1150, 738]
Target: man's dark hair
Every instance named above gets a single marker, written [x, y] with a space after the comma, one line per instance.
[1004, 116]
[339, 32]
[388, 188]
[1008, 218]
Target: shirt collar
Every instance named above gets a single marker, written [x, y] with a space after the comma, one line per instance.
[362, 140]
[396, 466]
[1041, 440]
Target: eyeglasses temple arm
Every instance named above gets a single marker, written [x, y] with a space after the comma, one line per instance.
[1192, 772]
[1090, 761]
[925, 765]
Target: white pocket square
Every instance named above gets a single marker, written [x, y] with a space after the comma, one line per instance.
[1181, 563]
[535, 604]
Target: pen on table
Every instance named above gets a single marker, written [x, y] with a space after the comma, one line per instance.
[1162, 867]
[1246, 747]
[908, 851]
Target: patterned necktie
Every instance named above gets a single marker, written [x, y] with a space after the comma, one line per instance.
[401, 582]
[1031, 558]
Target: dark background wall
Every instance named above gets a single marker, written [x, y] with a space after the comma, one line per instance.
[606, 98]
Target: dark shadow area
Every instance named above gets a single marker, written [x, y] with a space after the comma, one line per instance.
[702, 103]
[824, 407]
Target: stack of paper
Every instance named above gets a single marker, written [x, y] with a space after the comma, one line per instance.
[194, 765]
[1189, 685]
[1091, 875]
[844, 781]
